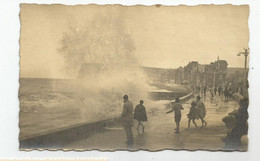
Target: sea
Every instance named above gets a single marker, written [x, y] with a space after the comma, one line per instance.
[49, 105]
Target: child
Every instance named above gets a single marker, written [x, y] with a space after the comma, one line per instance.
[177, 114]
[201, 111]
[193, 114]
[140, 115]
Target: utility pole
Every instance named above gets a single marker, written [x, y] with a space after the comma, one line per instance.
[245, 53]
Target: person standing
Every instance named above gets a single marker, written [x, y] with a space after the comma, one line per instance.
[205, 90]
[219, 90]
[177, 114]
[127, 119]
[201, 111]
[215, 90]
[226, 94]
[230, 92]
[212, 92]
[140, 115]
[198, 89]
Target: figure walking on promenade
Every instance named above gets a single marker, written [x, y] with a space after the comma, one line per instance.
[226, 94]
[193, 114]
[177, 114]
[205, 90]
[140, 115]
[230, 93]
[219, 90]
[201, 111]
[212, 92]
[215, 90]
[127, 119]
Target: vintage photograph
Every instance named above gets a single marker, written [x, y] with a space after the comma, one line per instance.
[113, 77]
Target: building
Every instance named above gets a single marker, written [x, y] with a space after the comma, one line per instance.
[215, 73]
[155, 74]
[179, 75]
[196, 74]
[168, 76]
[190, 72]
[236, 77]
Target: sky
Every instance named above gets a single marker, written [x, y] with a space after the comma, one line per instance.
[167, 37]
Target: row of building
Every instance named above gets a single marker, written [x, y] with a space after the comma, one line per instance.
[195, 74]
[214, 74]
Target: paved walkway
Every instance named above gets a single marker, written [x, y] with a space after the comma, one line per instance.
[159, 132]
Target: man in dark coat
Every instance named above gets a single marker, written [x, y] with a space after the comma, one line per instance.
[232, 140]
[236, 121]
[226, 94]
[127, 119]
[140, 115]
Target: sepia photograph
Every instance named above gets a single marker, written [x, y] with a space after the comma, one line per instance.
[114, 77]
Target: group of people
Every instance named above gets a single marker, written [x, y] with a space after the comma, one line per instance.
[236, 122]
[219, 90]
[197, 111]
[128, 118]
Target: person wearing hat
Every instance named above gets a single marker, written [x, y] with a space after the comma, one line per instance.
[232, 140]
[236, 122]
[127, 119]
[140, 115]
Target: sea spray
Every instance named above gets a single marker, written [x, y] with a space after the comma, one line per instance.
[100, 55]
[102, 95]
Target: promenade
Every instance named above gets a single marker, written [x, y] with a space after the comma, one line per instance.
[159, 131]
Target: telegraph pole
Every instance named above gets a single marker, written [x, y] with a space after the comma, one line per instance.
[245, 53]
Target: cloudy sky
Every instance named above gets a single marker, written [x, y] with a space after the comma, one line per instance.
[167, 37]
